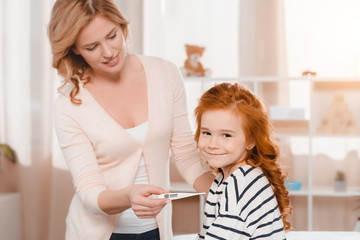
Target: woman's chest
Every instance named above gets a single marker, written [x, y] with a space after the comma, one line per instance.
[109, 137]
[126, 105]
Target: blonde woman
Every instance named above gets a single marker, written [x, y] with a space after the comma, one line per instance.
[116, 116]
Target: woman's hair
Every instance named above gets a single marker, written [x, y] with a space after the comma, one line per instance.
[68, 18]
[257, 130]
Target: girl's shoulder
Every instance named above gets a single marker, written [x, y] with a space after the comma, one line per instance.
[247, 170]
[248, 174]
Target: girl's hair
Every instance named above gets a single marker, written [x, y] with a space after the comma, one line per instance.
[257, 130]
[68, 18]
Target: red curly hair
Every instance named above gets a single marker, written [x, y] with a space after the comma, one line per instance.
[257, 129]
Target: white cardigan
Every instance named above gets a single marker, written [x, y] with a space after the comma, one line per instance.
[102, 155]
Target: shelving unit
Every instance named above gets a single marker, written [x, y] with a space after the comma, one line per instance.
[313, 189]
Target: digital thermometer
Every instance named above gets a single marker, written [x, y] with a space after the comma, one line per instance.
[175, 196]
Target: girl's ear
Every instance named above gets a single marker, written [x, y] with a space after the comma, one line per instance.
[250, 146]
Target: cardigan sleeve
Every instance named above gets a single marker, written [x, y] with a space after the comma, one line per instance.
[79, 155]
[184, 152]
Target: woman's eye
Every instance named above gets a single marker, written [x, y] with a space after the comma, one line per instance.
[112, 36]
[91, 48]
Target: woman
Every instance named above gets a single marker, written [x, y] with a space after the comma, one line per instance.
[116, 116]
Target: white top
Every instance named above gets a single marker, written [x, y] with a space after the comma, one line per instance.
[128, 222]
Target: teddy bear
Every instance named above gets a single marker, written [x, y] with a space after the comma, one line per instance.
[192, 66]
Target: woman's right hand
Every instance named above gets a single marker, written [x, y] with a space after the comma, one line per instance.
[143, 206]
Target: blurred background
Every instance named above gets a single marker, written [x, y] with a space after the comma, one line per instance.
[302, 57]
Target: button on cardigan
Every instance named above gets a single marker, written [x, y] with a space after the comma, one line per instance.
[102, 155]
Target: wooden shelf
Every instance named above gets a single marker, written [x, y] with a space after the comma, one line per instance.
[317, 136]
[338, 85]
[327, 191]
[290, 126]
[291, 135]
[322, 191]
[299, 193]
[327, 136]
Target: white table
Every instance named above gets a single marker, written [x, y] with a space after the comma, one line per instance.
[322, 235]
[299, 235]
[10, 216]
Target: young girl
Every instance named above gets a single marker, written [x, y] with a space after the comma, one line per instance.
[248, 199]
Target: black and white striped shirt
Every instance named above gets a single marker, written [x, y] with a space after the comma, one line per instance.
[243, 206]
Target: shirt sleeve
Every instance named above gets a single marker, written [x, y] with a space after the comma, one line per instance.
[228, 226]
[223, 224]
[79, 155]
[184, 152]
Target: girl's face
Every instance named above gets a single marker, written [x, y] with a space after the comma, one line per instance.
[101, 45]
[222, 141]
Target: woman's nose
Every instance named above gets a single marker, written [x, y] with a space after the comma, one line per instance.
[107, 51]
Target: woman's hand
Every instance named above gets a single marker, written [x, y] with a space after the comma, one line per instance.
[143, 206]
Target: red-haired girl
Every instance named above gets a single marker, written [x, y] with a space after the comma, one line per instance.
[248, 199]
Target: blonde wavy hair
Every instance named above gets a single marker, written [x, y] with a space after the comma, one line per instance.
[257, 129]
[68, 18]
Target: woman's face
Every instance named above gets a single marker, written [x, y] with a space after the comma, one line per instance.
[102, 46]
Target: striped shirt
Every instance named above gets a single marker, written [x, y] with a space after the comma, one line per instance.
[243, 206]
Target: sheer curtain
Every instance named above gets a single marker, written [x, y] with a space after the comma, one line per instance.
[26, 91]
[262, 45]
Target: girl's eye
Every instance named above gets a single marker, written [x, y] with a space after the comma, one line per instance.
[226, 135]
[205, 133]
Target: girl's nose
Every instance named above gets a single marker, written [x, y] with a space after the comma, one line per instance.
[213, 142]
